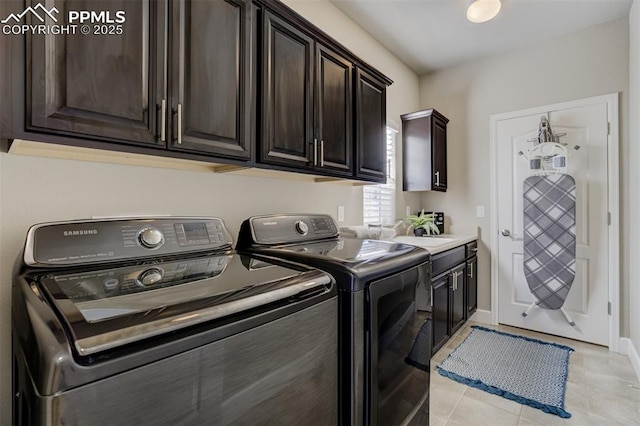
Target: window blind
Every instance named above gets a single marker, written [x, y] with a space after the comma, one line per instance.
[379, 205]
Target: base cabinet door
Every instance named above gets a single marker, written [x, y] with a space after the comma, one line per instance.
[440, 311]
[210, 77]
[457, 305]
[104, 85]
[472, 286]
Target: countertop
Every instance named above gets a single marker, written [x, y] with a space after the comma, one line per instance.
[437, 244]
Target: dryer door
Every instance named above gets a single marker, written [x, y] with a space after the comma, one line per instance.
[399, 347]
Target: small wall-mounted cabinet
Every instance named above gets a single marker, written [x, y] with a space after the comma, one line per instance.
[424, 151]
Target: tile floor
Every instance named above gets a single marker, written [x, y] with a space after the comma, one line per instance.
[602, 389]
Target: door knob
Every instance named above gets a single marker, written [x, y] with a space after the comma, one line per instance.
[505, 232]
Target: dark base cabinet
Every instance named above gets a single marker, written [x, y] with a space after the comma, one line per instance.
[454, 291]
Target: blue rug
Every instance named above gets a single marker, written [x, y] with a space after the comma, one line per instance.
[525, 370]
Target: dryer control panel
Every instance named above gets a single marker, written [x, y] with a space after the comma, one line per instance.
[107, 240]
[291, 228]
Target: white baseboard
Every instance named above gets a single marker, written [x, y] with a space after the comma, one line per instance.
[481, 316]
[626, 347]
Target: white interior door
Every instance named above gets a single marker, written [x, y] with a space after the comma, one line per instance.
[587, 127]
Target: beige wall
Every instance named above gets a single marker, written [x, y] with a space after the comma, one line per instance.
[586, 63]
[38, 189]
[634, 172]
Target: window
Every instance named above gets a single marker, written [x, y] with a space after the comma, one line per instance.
[380, 200]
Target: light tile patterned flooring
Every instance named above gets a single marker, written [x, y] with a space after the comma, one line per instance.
[602, 389]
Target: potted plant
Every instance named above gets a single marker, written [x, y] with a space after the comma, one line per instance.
[423, 224]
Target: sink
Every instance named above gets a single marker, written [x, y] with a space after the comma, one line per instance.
[424, 241]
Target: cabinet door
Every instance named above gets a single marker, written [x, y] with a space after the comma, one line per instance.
[371, 129]
[100, 86]
[210, 77]
[472, 286]
[416, 154]
[287, 106]
[440, 311]
[333, 112]
[439, 155]
[458, 308]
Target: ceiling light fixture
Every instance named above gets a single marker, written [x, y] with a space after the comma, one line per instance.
[483, 10]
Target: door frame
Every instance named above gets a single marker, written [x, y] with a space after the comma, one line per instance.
[613, 201]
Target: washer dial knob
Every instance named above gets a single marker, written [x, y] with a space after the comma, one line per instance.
[302, 228]
[149, 277]
[150, 238]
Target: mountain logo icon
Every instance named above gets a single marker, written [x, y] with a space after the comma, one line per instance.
[39, 11]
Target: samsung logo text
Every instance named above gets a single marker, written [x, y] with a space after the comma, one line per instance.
[80, 232]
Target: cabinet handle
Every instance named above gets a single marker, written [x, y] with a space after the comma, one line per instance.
[315, 152]
[321, 152]
[431, 298]
[179, 124]
[437, 178]
[163, 120]
[471, 271]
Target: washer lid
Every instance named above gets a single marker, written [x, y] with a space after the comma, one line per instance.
[351, 251]
[352, 262]
[108, 308]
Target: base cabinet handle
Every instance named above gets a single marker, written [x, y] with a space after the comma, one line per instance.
[179, 124]
[163, 120]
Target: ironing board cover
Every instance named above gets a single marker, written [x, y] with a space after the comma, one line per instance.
[550, 237]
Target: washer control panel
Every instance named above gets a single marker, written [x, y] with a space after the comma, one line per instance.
[100, 241]
[282, 229]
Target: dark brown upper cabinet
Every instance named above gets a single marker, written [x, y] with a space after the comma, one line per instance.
[371, 128]
[126, 88]
[103, 86]
[334, 114]
[287, 103]
[249, 83]
[424, 151]
[307, 97]
[210, 77]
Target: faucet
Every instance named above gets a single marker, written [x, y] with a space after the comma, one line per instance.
[402, 223]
